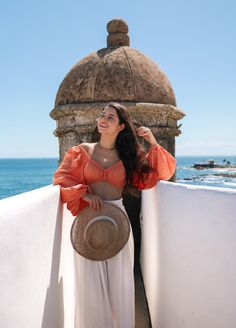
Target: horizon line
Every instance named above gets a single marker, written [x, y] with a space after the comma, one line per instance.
[52, 157]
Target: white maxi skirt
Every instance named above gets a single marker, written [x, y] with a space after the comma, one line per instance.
[104, 290]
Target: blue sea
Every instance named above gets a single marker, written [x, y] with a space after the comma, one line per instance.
[20, 175]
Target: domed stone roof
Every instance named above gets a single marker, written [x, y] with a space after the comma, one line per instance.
[115, 73]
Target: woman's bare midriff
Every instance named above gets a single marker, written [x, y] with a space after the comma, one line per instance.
[106, 191]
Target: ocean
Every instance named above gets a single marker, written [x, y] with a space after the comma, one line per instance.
[21, 175]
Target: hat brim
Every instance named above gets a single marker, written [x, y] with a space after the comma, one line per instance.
[115, 242]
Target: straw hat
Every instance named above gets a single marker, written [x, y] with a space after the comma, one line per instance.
[100, 235]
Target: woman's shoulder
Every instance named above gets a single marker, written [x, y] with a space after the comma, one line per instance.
[88, 147]
[79, 150]
[83, 150]
[77, 155]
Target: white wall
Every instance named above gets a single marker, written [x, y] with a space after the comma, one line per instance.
[35, 262]
[188, 258]
[189, 255]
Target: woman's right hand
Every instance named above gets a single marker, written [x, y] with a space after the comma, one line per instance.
[95, 202]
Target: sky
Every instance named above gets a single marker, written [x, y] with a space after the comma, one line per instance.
[193, 42]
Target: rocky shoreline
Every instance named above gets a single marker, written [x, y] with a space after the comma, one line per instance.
[211, 164]
[201, 176]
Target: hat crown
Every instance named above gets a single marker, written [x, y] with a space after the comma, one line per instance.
[101, 233]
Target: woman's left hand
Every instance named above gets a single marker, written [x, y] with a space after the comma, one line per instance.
[146, 134]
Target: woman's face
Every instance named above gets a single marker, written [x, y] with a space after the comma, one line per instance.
[108, 121]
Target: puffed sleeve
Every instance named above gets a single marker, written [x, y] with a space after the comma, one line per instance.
[163, 164]
[69, 176]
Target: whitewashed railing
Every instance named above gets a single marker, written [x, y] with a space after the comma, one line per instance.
[188, 258]
[36, 265]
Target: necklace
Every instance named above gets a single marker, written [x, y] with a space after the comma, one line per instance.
[106, 153]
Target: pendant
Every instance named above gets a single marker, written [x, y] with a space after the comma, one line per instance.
[105, 159]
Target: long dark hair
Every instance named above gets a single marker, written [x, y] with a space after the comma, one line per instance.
[130, 152]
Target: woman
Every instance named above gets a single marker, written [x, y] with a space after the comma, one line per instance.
[90, 174]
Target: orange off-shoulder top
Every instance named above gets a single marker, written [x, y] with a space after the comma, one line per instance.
[78, 170]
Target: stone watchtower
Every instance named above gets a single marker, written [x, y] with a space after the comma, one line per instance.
[122, 74]
[116, 73]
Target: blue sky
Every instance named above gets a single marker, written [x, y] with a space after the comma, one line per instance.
[193, 42]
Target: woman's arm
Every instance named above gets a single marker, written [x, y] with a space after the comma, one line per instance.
[69, 176]
[162, 162]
